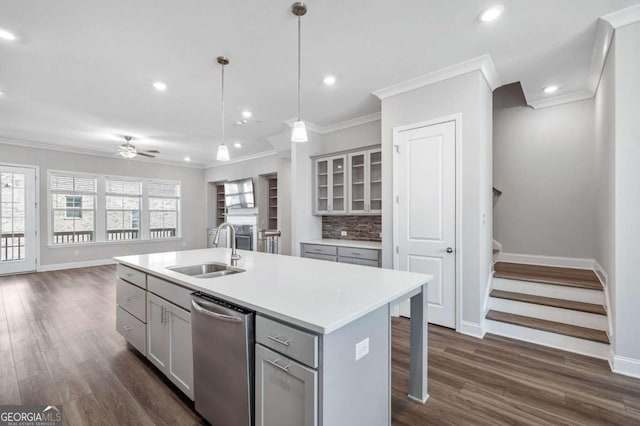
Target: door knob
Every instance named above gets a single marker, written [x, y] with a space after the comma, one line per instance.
[449, 250]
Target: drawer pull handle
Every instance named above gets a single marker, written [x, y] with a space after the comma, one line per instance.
[127, 328]
[355, 253]
[130, 298]
[277, 339]
[317, 249]
[276, 364]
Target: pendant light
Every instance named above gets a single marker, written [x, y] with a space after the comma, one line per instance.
[299, 132]
[223, 150]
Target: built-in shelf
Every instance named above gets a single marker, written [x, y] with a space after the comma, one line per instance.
[220, 204]
[373, 163]
[272, 184]
[358, 183]
[376, 181]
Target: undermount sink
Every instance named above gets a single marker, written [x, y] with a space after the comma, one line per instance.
[206, 270]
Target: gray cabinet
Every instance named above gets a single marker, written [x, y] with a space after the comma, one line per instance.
[342, 254]
[365, 177]
[286, 391]
[330, 185]
[169, 345]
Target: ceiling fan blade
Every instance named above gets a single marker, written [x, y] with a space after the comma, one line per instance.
[152, 151]
[144, 154]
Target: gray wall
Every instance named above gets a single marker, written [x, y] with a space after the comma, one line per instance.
[627, 196]
[470, 96]
[544, 162]
[193, 204]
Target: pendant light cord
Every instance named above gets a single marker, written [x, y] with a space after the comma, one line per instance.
[299, 72]
[222, 102]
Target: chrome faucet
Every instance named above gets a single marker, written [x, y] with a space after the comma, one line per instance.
[234, 254]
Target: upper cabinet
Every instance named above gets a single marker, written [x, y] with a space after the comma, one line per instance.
[330, 185]
[348, 183]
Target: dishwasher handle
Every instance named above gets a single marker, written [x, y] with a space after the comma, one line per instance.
[215, 315]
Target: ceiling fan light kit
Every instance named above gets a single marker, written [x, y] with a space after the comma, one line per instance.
[128, 151]
[299, 131]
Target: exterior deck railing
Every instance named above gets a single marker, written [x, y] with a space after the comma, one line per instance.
[9, 242]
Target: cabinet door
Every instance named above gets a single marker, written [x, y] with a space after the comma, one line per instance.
[357, 179]
[286, 392]
[338, 182]
[158, 343]
[180, 362]
[373, 203]
[321, 197]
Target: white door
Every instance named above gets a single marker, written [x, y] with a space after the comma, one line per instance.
[18, 243]
[425, 188]
[158, 338]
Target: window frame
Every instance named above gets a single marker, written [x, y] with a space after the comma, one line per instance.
[178, 207]
[51, 210]
[100, 210]
[115, 194]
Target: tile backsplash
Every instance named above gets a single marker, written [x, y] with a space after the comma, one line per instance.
[361, 228]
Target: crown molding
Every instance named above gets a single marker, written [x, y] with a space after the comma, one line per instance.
[74, 150]
[623, 17]
[242, 159]
[560, 99]
[483, 63]
[358, 121]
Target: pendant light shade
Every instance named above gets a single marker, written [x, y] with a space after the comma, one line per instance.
[299, 131]
[223, 153]
[223, 150]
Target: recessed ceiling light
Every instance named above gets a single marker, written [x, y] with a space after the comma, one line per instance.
[160, 86]
[329, 80]
[237, 145]
[7, 35]
[492, 13]
[550, 89]
[246, 114]
[187, 159]
[244, 121]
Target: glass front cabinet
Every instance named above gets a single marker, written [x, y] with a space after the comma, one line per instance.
[365, 177]
[330, 185]
[349, 183]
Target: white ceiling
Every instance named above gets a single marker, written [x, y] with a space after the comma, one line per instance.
[82, 71]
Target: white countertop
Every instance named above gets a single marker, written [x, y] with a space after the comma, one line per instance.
[314, 294]
[377, 245]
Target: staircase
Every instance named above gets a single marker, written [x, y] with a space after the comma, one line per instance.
[563, 308]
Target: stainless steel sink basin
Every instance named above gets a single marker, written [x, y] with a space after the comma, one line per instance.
[206, 270]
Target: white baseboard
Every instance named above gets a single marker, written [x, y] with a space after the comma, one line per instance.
[626, 366]
[532, 259]
[471, 329]
[74, 265]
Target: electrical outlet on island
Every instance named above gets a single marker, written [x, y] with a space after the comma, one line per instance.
[343, 233]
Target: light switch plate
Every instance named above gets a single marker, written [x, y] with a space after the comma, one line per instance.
[343, 233]
[362, 348]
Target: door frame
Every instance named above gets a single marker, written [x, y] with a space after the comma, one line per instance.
[457, 119]
[36, 207]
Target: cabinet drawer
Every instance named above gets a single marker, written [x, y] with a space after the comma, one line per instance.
[319, 249]
[132, 275]
[169, 291]
[330, 258]
[294, 343]
[354, 261]
[132, 299]
[132, 329]
[359, 253]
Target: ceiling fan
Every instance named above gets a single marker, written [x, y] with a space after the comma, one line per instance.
[128, 150]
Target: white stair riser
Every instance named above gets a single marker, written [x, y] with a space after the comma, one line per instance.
[545, 338]
[550, 313]
[550, 290]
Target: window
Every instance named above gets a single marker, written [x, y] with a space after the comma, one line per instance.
[73, 208]
[123, 202]
[164, 199]
[87, 208]
[74, 205]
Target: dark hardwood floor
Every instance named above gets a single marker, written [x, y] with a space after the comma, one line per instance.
[58, 344]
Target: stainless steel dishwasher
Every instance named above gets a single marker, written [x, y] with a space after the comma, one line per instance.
[223, 356]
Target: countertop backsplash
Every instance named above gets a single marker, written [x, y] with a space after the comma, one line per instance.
[360, 228]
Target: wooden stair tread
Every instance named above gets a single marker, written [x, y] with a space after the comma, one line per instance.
[581, 278]
[550, 326]
[550, 301]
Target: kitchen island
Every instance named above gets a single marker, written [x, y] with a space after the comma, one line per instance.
[339, 314]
